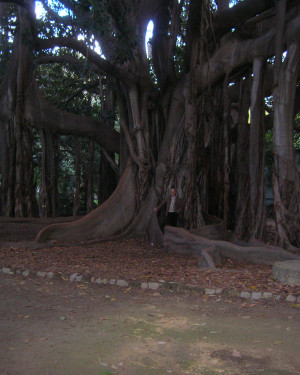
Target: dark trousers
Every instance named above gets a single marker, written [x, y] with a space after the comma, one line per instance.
[172, 219]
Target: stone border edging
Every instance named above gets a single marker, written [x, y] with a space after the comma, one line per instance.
[174, 286]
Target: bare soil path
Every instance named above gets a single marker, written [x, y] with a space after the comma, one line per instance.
[62, 328]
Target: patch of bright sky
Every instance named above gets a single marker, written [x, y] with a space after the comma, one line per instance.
[149, 34]
[39, 10]
[232, 3]
[40, 13]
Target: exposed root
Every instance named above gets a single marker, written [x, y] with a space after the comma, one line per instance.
[185, 242]
[110, 219]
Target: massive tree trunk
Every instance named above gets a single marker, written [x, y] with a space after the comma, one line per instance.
[286, 185]
[111, 218]
[18, 184]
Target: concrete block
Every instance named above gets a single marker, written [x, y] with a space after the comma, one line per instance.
[287, 272]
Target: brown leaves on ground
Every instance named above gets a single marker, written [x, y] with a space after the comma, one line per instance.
[136, 260]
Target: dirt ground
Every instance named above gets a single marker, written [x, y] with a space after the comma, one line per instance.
[61, 328]
[133, 260]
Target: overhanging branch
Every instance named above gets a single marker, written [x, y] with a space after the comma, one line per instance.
[42, 114]
[92, 56]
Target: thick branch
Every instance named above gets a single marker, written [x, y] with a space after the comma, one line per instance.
[86, 86]
[41, 114]
[20, 3]
[236, 53]
[233, 17]
[91, 55]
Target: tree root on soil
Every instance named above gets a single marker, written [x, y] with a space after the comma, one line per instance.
[211, 252]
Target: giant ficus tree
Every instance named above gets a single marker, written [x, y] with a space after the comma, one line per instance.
[183, 113]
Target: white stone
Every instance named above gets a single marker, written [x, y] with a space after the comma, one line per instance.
[50, 275]
[219, 291]
[73, 277]
[7, 271]
[79, 278]
[290, 298]
[210, 292]
[112, 281]
[41, 274]
[256, 295]
[25, 273]
[245, 295]
[277, 297]
[103, 281]
[153, 286]
[122, 283]
[267, 295]
[144, 285]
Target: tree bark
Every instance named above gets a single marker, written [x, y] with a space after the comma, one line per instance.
[286, 185]
[257, 153]
[90, 178]
[110, 219]
[182, 241]
[77, 185]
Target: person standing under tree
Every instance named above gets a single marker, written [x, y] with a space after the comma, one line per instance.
[174, 207]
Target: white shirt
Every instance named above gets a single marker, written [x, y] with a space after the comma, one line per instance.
[172, 205]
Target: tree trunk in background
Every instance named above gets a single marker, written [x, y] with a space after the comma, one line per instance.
[226, 165]
[8, 153]
[77, 156]
[54, 174]
[25, 200]
[90, 178]
[44, 201]
[257, 153]
[48, 198]
[241, 229]
[286, 184]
